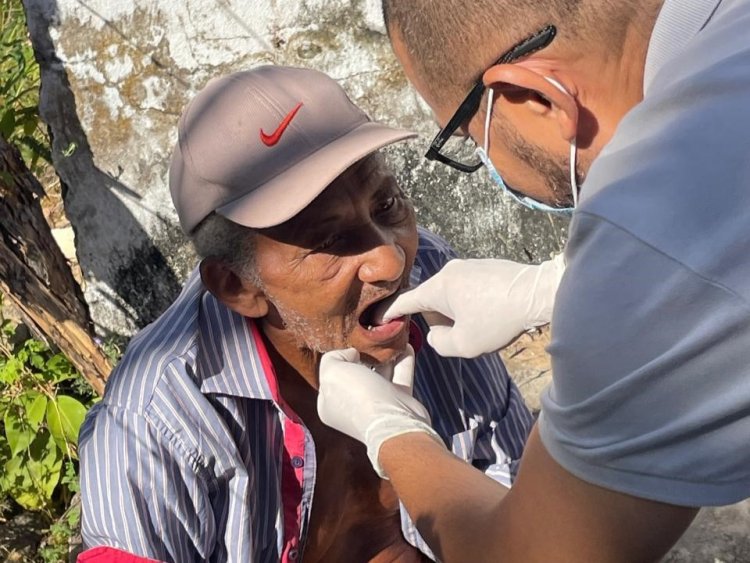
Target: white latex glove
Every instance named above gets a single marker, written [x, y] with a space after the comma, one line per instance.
[370, 406]
[490, 303]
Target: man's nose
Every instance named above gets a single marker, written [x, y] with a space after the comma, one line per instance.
[384, 262]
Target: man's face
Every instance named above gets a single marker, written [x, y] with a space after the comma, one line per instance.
[323, 270]
[532, 168]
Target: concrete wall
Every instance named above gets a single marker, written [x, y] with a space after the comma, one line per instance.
[116, 75]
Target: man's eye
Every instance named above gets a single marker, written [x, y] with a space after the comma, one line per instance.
[328, 243]
[387, 205]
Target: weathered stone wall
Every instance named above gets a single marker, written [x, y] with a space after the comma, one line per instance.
[116, 75]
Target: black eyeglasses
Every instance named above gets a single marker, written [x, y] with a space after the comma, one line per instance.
[469, 106]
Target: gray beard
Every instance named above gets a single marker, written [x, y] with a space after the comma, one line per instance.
[315, 337]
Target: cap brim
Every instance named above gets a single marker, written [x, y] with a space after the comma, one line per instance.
[290, 192]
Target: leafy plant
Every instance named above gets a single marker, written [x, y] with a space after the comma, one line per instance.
[56, 546]
[41, 411]
[19, 88]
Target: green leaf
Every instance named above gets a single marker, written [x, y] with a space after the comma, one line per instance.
[58, 369]
[8, 328]
[15, 479]
[35, 405]
[18, 432]
[73, 518]
[8, 122]
[31, 479]
[29, 124]
[11, 371]
[31, 353]
[70, 477]
[35, 346]
[22, 355]
[64, 417]
[36, 360]
[37, 148]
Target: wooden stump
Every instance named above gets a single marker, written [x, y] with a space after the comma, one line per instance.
[36, 276]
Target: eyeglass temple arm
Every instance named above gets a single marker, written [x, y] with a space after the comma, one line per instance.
[529, 45]
[471, 103]
[469, 108]
[433, 154]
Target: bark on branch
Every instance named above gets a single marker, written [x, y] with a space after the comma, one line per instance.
[36, 276]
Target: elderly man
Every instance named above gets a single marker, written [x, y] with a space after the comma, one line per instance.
[207, 445]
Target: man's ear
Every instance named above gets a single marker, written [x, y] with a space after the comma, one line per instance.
[241, 295]
[544, 98]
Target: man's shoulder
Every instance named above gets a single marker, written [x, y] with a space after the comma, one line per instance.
[432, 242]
[675, 173]
[635, 333]
[433, 253]
[156, 392]
[166, 347]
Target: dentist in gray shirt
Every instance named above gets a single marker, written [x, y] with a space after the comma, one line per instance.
[636, 114]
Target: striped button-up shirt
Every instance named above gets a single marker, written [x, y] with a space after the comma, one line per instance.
[184, 458]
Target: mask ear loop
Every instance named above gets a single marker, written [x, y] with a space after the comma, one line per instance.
[487, 119]
[573, 179]
[573, 148]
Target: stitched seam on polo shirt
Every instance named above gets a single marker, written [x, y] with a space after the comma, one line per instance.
[669, 257]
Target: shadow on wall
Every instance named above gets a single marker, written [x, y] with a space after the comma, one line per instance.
[113, 247]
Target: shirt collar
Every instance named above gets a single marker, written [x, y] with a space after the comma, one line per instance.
[231, 354]
[415, 276]
[678, 22]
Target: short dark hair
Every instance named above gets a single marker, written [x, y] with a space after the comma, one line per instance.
[218, 237]
[449, 41]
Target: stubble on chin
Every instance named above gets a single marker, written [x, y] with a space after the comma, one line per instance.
[316, 337]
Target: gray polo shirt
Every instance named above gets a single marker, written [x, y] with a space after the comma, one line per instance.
[651, 329]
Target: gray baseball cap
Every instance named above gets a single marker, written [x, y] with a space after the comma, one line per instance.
[258, 146]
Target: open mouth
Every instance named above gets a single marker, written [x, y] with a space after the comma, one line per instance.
[372, 317]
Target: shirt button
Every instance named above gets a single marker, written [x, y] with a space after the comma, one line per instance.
[297, 462]
[293, 554]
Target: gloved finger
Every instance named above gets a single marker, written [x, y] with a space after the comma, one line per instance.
[385, 371]
[447, 342]
[345, 355]
[332, 389]
[403, 370]
[416, 300]
[437, 319]
[335, 357]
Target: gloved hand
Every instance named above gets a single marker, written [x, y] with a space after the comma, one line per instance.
[490, 301]
[370, 406]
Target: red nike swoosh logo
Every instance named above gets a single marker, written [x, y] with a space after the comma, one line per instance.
[273, 138]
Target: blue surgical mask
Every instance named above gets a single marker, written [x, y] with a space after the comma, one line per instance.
[526, 201]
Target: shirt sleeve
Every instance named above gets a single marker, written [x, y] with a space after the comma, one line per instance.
[650, 394]
[141, 491]
[501, 419]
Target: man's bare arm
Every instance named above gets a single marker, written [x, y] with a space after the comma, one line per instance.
[549, 515]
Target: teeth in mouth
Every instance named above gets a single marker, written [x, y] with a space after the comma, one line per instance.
[369, 327]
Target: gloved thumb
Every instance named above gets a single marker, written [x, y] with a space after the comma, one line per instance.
[330, 359]
[403, 371]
